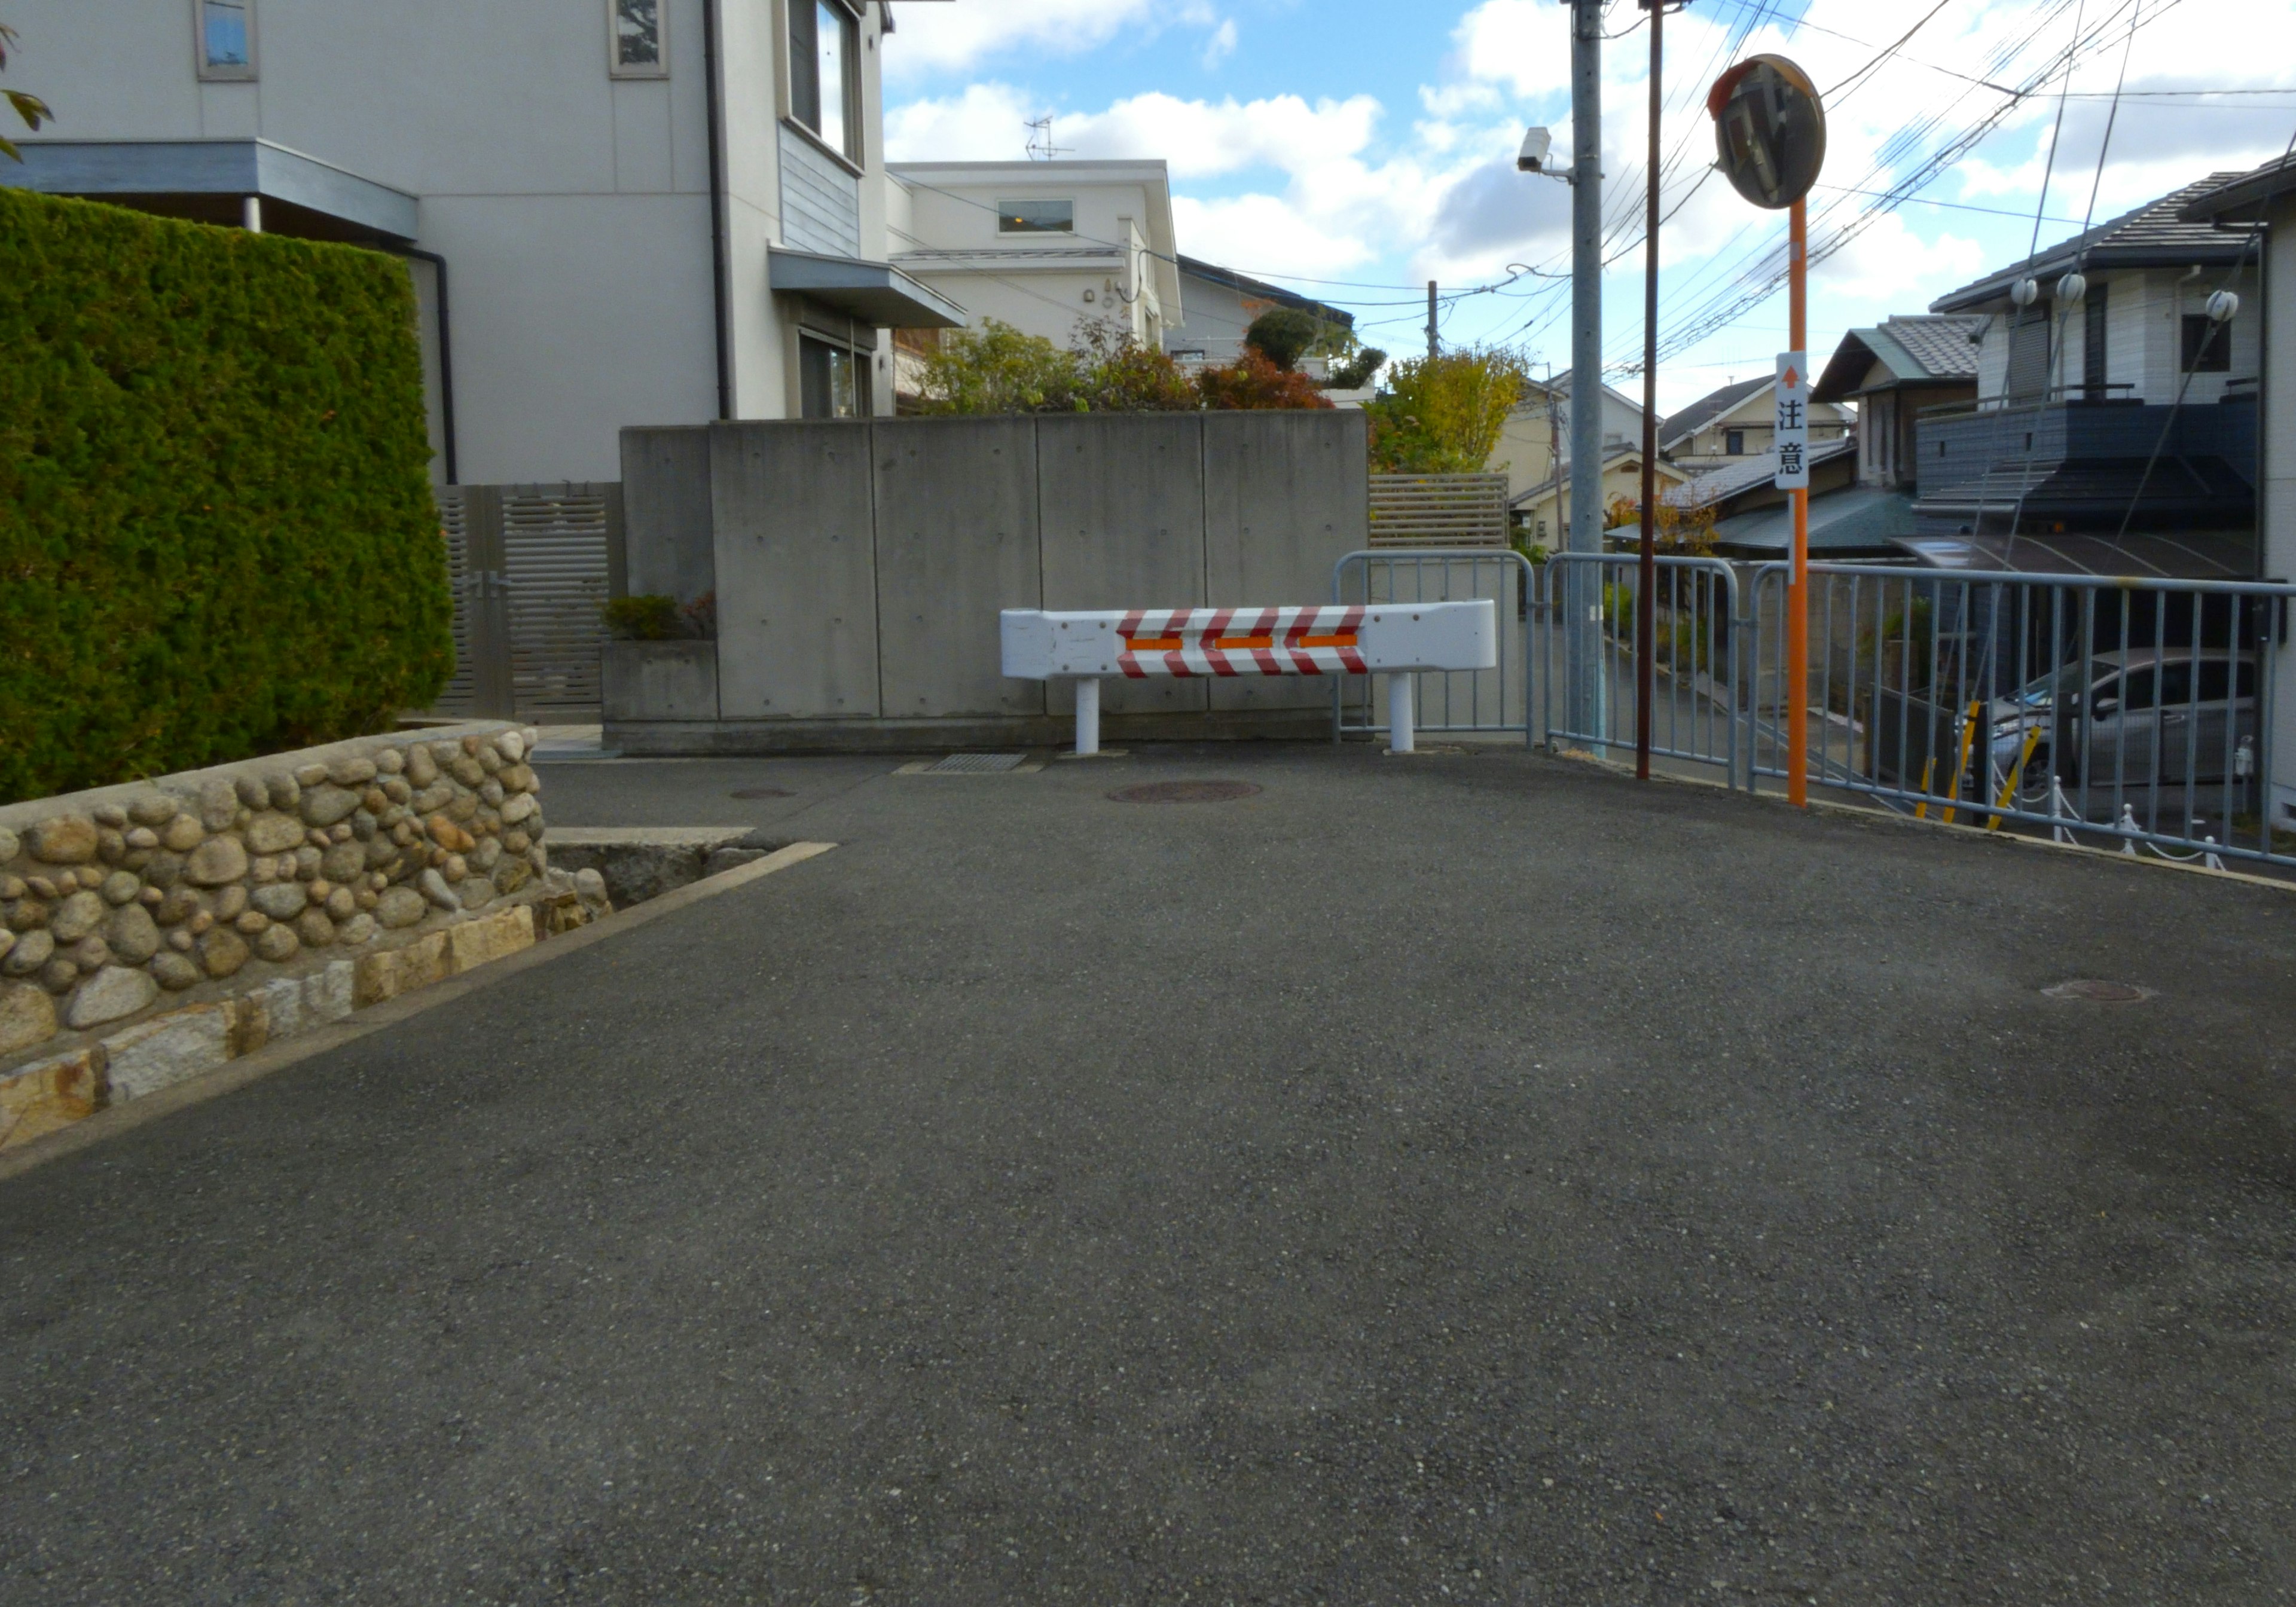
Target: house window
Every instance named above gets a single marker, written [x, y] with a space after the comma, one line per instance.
[2208, 345]
[638, 49]
[824, 74]
[832, 381]
[1734, 442]
[226, 37]
[1035, 217]
[2093, 340]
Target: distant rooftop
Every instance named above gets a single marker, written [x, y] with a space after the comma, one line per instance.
[1921, 349]
[1706, 409]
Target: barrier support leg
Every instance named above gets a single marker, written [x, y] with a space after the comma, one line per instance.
[1399, 718]
[1087, 717]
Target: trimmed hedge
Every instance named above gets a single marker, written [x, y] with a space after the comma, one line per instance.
[216, 533]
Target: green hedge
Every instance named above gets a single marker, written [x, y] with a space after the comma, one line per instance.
[216, 533]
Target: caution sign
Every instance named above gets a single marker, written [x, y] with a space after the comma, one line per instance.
[1791, 427]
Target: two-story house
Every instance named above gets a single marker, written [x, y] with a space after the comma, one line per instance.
[2114, 426]
[1894, 371]
[1042, 246]
[615, 211]
[1738, 421]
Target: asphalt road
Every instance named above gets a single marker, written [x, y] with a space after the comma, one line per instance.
[1467, 1180]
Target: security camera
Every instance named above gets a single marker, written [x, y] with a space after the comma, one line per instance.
[1532, 157]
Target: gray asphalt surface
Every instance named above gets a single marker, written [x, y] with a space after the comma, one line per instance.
[1466, 1179]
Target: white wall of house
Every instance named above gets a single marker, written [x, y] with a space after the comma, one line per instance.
[1114, 265]
[2143, 337]
[572, 206]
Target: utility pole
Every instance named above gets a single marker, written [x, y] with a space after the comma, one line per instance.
[1583, 595]
[1431, 318]
[1646, 587]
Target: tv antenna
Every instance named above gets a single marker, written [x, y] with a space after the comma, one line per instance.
[1041, 148]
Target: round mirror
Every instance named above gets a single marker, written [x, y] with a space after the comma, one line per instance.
[1769, 131]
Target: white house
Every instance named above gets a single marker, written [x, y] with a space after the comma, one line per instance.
[1042, 246]
[616, 211]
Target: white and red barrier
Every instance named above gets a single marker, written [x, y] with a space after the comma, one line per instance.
[1396, 640]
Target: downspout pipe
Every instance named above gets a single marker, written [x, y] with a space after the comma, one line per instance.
[445, 358]
[713, 97]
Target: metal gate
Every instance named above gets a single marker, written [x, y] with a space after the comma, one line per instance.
[532, 567]
[1495, 702]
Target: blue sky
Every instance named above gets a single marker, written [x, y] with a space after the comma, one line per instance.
[1318, 141]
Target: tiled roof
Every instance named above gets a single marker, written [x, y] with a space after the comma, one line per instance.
[2155, 235]
[1706, 409]
[1941, 343]
[1916, 349]
[1744, 473]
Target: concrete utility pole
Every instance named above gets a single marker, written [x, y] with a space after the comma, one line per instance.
[1584, 596]
[1431, 318]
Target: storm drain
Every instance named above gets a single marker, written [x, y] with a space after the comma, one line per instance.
[975, 764]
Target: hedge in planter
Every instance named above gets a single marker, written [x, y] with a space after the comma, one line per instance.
[216, 533]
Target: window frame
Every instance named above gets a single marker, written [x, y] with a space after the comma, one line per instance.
[863, 375]
[616, 68]
[852, 149]
[1733, 443]
[223, 72]
[1012, 208]
[2212, 352]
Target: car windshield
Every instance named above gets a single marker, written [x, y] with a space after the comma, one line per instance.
[2038, 694]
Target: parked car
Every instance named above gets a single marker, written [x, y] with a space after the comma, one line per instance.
[2131, 714]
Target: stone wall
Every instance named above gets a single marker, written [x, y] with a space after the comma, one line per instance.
[151, 931]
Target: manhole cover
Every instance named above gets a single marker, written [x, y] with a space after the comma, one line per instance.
[976, 764]
[2100, 993]
[1183, 792]
[764, 792]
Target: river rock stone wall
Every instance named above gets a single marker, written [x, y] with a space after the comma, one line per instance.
[213, 889]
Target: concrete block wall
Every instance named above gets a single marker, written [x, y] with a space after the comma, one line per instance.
[859, 567]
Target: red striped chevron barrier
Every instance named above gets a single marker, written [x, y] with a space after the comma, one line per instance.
[1398, 640]
[1185, 642]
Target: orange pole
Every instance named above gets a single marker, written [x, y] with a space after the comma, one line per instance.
[1798, 576]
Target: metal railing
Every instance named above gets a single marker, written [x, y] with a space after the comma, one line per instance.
[1697, 631]
[1488, 702]
[2096, 709]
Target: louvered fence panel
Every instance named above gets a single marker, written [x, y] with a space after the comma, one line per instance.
[558, 545]
[461, 696]
[1439, 510]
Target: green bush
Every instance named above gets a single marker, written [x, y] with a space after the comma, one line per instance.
[217, 532]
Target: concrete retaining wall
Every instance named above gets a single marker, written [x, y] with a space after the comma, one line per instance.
[859, 567]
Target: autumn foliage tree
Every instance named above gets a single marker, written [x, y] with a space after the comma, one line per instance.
[1442, 415]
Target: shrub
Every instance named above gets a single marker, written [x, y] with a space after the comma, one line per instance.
[1252, 381]
[217, 532]
[997, 369]
[1283, 335]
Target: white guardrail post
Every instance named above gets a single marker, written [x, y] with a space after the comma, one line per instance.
[1398, 640]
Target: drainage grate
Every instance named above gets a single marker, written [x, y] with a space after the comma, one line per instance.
[1183, 792]
[975, 764]
[763, 792]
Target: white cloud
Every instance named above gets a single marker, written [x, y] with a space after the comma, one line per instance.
[1220, 45]
[1265, 235]
[956, 38]
[1200, 139]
